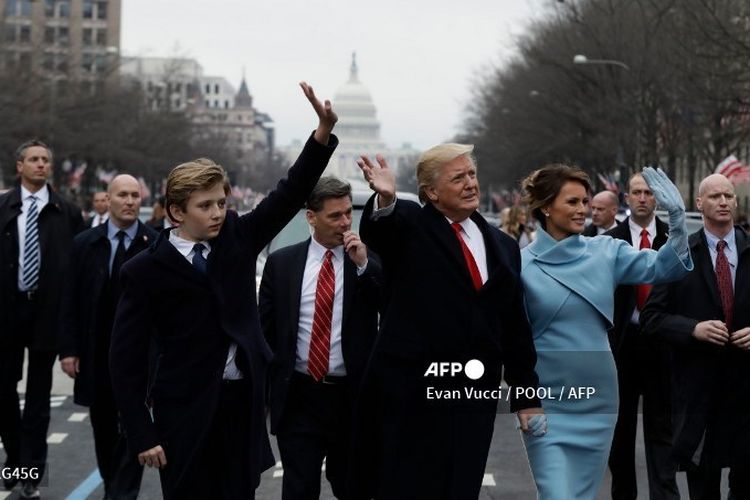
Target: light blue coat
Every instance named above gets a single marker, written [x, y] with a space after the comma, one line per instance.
[569, 287]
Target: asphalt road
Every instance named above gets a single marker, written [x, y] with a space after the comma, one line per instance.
[72, 468]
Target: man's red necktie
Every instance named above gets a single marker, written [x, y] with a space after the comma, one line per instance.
[476, 276]
[642, 291]
[724, 280]
[320, 337]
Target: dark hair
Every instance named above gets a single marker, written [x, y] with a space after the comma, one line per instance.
[162, 200]
[542, 186]
[21, 150]
[327, 187]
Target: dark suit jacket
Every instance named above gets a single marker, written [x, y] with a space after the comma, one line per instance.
[432, 313]
[192, 318]
[81, 323]
[432, 310]
[710, 383]
[59, 221]
[279, 303]
[625, 294]
[589, 230]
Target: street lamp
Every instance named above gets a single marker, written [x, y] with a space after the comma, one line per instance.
[582, 59]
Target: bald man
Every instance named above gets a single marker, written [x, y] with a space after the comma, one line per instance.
[93, 291]
[603, 211]
[705, 319]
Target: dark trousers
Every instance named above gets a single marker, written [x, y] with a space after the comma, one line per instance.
[121, 473]
[24, 433]
[704, 482]
[643, 369]
[315, 424]
[220, 469]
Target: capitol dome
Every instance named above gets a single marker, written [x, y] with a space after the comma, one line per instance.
[358, 123]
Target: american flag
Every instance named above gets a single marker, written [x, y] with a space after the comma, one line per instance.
[608, 183]
[733, 169]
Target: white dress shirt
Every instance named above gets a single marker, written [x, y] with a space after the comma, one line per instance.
[315, 257]
[185, 247]
[602, 230]
[635, 237]
[99, 219]
[42, 198]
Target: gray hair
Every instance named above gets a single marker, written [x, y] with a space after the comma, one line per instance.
[21, 150]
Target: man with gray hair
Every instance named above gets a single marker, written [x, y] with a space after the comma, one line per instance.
[603, 211]
[318, 305]
[453, 294]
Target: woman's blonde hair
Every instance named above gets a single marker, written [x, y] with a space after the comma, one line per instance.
[434, 158]
[197, 175]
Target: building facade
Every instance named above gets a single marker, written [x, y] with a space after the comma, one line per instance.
[63, 40]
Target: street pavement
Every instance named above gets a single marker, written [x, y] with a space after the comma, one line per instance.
[72, 469]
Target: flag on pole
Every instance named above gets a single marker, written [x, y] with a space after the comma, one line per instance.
[145, 191]
[734, 170]
[609, 183]
[76, 176]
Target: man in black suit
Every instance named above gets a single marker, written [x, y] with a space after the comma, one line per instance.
[37, 227]
[642, 365]
[91, 296]
[318, 307]
[603, 211]
[193, 295]
[706, 321]
[453, 293]
[100, 203]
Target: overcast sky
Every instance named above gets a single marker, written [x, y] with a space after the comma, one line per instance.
[417, 57]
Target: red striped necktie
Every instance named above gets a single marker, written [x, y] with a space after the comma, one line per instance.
[320, 337]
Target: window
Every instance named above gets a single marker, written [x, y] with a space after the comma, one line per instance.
[25, 34]
[178, 87]
[87, 62]
[26, 8]
[88, 9]
[49, 35]
[49, 8]
[177, 103]
[87, 36]
[49, 61]
[63, 9]
[11, 7]
[208, 89]
[101, 37]
[216, 103]
[10, 32]
[24, 59]
[216, 88]
[62, 63]
[208, 104]
[226, 104]
[101, 10]
[100, 61]
[63, 36]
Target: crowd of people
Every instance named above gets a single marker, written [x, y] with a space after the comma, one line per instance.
[159, 325]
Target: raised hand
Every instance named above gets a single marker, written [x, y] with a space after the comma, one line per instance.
[666, 193]
[380, 178]
[327, 118]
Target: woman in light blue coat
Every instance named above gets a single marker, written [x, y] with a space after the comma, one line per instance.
[570, 281]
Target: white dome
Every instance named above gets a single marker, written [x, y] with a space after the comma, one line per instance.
[358, 121]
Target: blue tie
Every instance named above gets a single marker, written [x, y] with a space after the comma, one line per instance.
[199, 261]
[30, 275]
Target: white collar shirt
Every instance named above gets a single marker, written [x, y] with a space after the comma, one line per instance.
[42, 198]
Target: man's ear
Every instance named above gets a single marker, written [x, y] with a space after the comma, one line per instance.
[310, 216]
[175, 213]
[431, 193]
[699, 203]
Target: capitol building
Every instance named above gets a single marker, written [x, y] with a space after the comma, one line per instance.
[358, 130]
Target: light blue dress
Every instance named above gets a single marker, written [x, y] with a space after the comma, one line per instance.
[569, 289]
